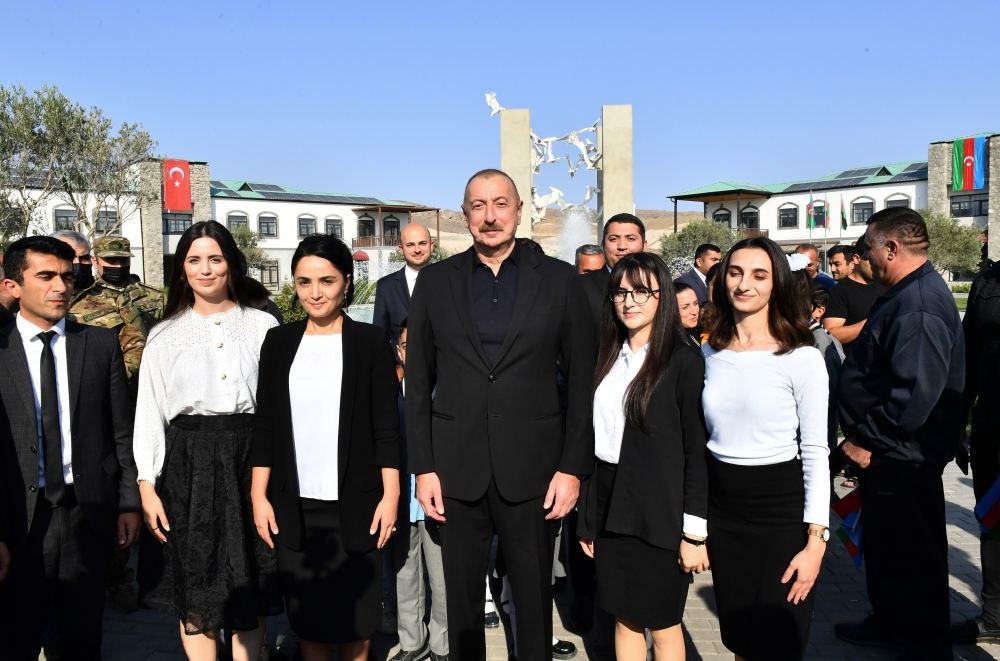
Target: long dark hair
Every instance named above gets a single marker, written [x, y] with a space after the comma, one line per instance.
[332, 250]
[181, 296]
[652, 272]
[784, 314]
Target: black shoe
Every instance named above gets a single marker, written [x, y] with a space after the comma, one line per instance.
[491, 620]
[865, 632]
[563, 649]
[415, 655]
[976, 630]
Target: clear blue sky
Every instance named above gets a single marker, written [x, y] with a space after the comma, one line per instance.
[386, 99]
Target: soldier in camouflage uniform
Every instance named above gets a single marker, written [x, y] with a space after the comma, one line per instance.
[119, 301]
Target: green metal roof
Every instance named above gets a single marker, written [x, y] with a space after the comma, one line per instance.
[987, 134]
[240, 189]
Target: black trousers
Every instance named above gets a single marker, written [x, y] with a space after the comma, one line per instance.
[985, 462]
[528, 541]
[906, 555]
[58, 574]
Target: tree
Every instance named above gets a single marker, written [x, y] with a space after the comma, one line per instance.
[953, 247]
[678, 249]
[51, 146]
[248, 242]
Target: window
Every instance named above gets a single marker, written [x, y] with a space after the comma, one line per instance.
[819, 215]
[65, 219]
[964, 206]
[749, 218]
[861, 212]
[106, 222]
[981, 206]
[237, 221]
[722, 216]
[307, 226]
[366, 226]
[898, 202]
[788, 218]
[267, 224]
[390, 229]
[269, 274]
[176, 223]
[335, 227]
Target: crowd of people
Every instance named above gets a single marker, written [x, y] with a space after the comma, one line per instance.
[506, 417]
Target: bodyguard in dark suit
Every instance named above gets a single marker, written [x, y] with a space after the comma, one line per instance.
[66, 468]
[392, 292]
[624, 234]
[705, 257]
[493, 450]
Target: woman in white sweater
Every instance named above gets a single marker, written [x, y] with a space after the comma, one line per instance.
[201, 560]
[765, 402]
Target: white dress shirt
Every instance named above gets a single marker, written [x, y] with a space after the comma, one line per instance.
[609, 417]
[195, 365]
[704, 278]
[314, 384]
[33, 350]
[411, 277]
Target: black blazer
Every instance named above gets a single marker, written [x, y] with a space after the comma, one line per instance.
[596, 284]
[392, 301]
[662, 474]
[693, 280]
[368, 437]
[104, 473]
[501, 421]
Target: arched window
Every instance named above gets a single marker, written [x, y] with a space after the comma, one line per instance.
[897, 200]
[390, 230]
[106, 222]
[723, 216]
[366, 226]
[65, 219]
[307, 225]
[862, 209]
[267, 225]
[334, 226]
[237, 220]
[788, 216]
[749, 218]
[819, 214]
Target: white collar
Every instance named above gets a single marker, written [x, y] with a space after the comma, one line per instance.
[704, 278]
[627, 353]
[29, 330]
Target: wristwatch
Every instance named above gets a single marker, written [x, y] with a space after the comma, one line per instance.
[823, 534]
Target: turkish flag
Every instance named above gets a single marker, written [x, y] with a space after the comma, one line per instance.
[176, 186]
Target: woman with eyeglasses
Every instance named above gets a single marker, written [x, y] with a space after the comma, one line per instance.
[765, 404]
[643, 516]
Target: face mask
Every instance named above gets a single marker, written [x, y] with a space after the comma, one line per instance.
[83, 276]
[115, 275]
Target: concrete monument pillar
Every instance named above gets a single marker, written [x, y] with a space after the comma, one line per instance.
[993, 188]
[151, 222]
[615, 176]
[939, 177]
[515, 159]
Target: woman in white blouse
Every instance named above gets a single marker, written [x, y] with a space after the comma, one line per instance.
[193, 430]
[765, 402]
[643, 514]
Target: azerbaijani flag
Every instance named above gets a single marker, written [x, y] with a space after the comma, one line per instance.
[987, 510]
[848, 509]
[852, 542]
[968, 164]
[843, 214]
[810, 221]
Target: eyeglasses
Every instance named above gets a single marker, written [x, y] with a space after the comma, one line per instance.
[639, 296]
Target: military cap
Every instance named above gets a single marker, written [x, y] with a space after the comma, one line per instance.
[112, 246]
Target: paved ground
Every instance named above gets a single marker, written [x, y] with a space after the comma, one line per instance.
[147, 636]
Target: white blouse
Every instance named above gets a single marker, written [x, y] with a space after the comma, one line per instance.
[764, 409]
[314, 384]
[195, 365]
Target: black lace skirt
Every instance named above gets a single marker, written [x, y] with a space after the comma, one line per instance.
[214, 572]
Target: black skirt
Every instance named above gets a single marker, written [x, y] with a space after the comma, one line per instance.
[331, 596]
[637, 582]
[755, 528]
[214, 572]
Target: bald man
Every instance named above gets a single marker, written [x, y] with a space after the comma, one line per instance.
[392, 292]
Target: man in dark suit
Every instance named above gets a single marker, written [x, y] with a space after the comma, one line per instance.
[67, 476]
[624, 233]
[706, 256]
[493, 449]
[392, 292]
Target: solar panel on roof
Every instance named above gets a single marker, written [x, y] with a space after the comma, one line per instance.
[266, 187]
[824, 185]
[916, 166]
[217, 184]
[916, 175]
[861, 172]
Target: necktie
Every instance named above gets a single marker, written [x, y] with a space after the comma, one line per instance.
[51, 438]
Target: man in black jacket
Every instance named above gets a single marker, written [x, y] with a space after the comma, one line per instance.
[392, 292]
[493, 449]
[67, 475]
[624, 233]
[901, 413]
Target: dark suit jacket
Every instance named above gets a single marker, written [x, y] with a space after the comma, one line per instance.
[368, 437]
[392, 302]
[104, 473]
[693, 280]
[595, 285]
[500, 421]
[662, 473]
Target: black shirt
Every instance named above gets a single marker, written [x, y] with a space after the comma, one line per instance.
[493, 301]
[982, 350]
[901, 386]
[852, 300]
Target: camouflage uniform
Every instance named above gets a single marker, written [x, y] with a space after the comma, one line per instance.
[131, 310]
